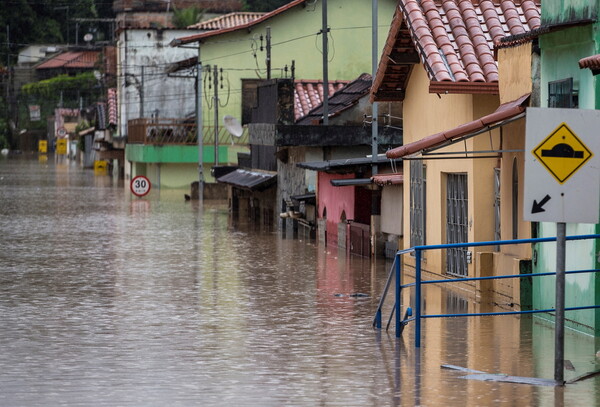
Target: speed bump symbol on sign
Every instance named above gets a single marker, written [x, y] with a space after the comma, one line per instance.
[562, 153]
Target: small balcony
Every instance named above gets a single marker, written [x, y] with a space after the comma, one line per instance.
[177, 131]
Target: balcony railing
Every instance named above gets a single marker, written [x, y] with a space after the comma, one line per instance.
[176, 131]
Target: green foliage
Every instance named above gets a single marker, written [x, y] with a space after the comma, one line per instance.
[187, 16]
[263, 5]
[50, 22]
[50, 87]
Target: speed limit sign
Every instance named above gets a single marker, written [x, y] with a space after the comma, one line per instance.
[61, 132]
[140, 185]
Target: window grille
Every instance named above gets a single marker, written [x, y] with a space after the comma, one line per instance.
[457, 223]
[417, 203]
[562, 94]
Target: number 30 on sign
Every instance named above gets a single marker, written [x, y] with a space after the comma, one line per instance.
[140, 186]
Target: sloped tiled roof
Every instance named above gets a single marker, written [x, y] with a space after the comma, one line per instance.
[227, 21]
[71, 59]
[308, 94]
[344, 98]
[266, 16]
[592, 62]
[454, 40]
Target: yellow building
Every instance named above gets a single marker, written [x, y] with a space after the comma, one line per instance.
[463, 126]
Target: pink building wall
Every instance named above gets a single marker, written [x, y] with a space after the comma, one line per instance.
[336, 200]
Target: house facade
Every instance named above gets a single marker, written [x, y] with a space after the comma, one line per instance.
[440, 61]
[570, 45]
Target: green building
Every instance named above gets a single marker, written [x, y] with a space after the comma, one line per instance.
[570, 46]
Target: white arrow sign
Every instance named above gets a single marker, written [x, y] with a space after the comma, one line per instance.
[562, 166]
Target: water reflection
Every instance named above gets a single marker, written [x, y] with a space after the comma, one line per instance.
[111, 300]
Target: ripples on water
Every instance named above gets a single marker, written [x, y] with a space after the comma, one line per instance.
[109, 300]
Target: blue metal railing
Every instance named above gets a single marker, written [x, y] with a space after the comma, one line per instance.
[417, 250]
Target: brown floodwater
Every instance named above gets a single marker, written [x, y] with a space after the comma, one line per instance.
[111, 300]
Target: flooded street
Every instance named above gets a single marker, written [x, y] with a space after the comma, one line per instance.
[109, 300]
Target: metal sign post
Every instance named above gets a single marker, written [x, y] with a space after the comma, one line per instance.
[562, 184]
[559, 315]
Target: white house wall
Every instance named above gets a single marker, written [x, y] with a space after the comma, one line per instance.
[164, 96]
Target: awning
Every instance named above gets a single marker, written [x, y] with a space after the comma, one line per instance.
[310, 199]
[592, 62]
[249, 180]
[505, 113]
[336, 165]
[388, 179]
[349, 182]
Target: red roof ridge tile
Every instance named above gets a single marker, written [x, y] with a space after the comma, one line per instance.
[420, 32]
[513, 21]
[479, 41]
[463, 40]
[493, 21]
[532, 14]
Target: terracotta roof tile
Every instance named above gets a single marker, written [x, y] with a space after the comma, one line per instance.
[308, 94]
[388, 179]
[266, 16]
[455, 41]
[227, 21]
[592, 62]
[71, 59]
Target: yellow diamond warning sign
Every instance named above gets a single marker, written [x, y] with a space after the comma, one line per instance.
[562, 153]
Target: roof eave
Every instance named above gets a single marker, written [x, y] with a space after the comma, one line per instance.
[447, 87]
[247, 26]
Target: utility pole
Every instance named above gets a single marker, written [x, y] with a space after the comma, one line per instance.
[199, 127]
[141, 90]
[375, 107]
[325, 32]
[7, 100]
[216, 102]
[268, 52]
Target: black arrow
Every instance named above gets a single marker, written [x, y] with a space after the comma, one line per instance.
[539, 207]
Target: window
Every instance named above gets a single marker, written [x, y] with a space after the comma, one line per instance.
[562, 94]
[457, 223]
[417, 203]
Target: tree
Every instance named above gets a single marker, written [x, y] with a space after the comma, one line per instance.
[187, 16]
[263, 5]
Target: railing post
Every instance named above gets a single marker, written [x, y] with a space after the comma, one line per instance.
[398, 304]
[418, 298]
